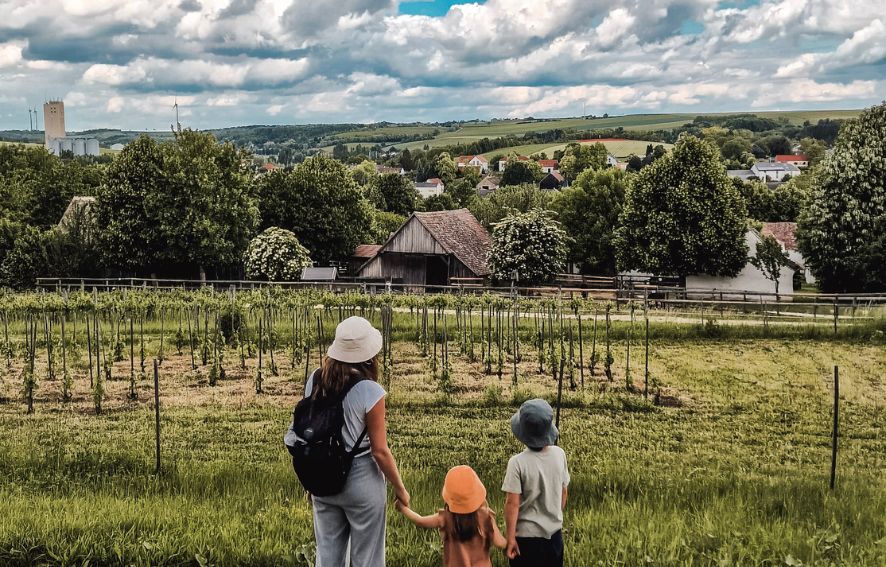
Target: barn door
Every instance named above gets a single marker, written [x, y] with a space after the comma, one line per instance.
[437, 271]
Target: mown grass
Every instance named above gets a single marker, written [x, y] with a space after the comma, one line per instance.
[733, 471]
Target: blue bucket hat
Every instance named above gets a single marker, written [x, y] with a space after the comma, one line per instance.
[533, 424]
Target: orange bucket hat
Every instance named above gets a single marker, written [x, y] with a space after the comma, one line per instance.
[463, 491]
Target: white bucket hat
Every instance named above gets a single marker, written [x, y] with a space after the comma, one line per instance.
[356, 340]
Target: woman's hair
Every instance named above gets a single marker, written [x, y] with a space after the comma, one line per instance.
[464, 526]
[335, 374]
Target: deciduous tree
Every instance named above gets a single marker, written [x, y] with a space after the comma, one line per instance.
[531, 245]
[682, 216]
[840, 231]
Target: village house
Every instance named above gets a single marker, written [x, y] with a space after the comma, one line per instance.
[611, 160]
[798, 160]
[487, 185]
[785, 234]
[549, 165]
[430, 188]
[384, 169]
[502, 163]
[743, 174]
[430, 249]
[769, 171]
[477, 161]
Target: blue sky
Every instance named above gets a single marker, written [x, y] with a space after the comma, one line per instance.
[122, 63]
[435, 8]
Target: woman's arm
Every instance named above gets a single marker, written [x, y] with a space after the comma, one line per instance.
[434, 521]
[378, 439]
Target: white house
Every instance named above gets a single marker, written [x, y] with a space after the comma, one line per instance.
[549, 165]
[784, 232]
[611, 160]
[767, 171]
[430, 188]
[794, 159]
[750, 278]
[502, 163]
[477, 161]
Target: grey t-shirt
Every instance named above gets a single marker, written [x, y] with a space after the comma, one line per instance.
[362, 398]
[539, 477]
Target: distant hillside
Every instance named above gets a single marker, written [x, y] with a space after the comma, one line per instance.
[306, 138]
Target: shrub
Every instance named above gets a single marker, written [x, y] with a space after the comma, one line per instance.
[276, 255]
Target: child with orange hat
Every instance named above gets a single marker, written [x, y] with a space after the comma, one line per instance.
[466, 524]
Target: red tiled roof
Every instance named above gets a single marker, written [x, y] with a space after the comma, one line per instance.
[548, 163]
[790, 157]
[435, 181]
[784, 232]
[466, 159]
[366, 250]
[461, 234]
[269, 166]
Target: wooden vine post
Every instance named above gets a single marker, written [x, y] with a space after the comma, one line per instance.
[836, 431]
[157, 414]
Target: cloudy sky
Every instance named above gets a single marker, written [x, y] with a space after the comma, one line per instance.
[122, 63]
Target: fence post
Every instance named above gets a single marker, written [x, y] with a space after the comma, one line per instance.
[836, 314]
[836, 426]
[157, 413]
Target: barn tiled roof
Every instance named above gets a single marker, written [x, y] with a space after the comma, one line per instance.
[784, 232]
[461, 235]
[366, 250]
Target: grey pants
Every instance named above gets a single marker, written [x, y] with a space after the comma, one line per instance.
[355, 516]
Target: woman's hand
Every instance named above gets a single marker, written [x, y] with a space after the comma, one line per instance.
[402, 497]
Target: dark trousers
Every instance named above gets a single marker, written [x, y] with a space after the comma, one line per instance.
[539, 551]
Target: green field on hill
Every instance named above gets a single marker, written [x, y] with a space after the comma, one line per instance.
[471, 132]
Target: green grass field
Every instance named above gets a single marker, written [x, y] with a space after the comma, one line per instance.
[731, 468]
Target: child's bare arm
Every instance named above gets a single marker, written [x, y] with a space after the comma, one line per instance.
[512, 510]
[434, 521]
[498, 540]
[565, 496]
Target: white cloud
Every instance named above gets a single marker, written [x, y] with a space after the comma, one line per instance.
[614, 26]
[10, 54]
[808, 90]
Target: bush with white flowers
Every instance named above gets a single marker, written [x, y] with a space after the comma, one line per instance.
[530, 244]
[275, 255]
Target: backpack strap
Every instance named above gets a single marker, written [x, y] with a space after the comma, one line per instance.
[356, 450]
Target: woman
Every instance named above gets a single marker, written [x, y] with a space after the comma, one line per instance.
[357, 514]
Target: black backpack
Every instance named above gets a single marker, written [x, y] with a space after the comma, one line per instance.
[319, 455]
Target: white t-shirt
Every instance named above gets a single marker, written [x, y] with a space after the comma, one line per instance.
[362, 398]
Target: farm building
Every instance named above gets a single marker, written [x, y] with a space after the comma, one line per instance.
[794, 159]
[487, 185]
[552, 182]
[549, 165]
[477, 161]
[774, 171]
[431, 248]
[750, 278]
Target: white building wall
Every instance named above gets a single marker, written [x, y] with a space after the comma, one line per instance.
[750, 278]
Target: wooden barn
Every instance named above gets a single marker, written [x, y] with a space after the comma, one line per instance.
[432, 248]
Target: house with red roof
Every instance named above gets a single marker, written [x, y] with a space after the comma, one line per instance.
[798, 160]
[549, 165]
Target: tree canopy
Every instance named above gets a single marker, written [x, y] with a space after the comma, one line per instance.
[682, 216]
[841, 230]
[187, 202]
[589, 212]
[321, 203]
[518, 172]
[398, 193]
[506, 200]
[579, 157]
